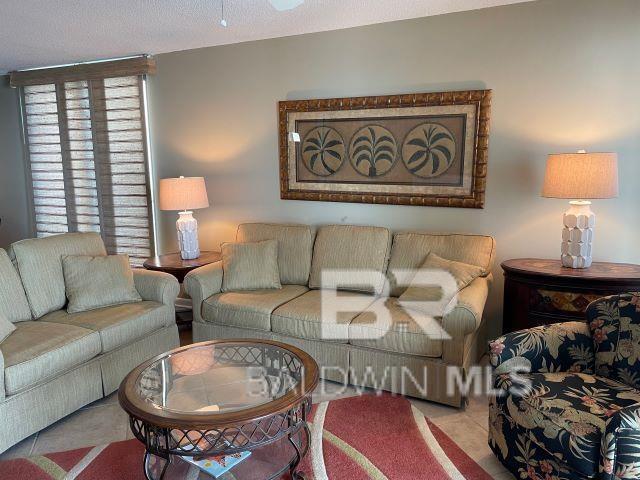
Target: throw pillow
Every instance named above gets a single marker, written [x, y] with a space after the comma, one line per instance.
[250, 266]
[436, 282]
[6, 328]
[95, 282]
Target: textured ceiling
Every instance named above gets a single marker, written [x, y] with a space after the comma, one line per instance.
[36, 33]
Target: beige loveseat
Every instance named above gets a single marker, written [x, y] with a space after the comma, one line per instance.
[293, 314]
[55, 362]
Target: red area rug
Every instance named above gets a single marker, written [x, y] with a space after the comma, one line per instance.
[367, 437]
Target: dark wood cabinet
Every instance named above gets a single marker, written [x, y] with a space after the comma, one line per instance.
[539, 291]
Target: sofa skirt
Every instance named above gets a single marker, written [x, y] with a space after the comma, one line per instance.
[411, 375]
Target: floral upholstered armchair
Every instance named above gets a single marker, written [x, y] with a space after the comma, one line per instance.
[575, 411]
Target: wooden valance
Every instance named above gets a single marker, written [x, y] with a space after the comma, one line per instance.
[84, 71]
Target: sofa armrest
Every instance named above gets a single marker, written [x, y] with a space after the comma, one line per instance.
[559, 347]
[201, 283]
[466, 316]
[156, 286]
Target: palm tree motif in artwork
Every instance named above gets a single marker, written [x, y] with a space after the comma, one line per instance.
[373, 151]
[323, 151]
[428, 150]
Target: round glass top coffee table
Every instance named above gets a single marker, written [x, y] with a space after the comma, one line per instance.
[221, 398]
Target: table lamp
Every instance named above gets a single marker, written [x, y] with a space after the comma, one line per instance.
[185, 194]
[580, 176]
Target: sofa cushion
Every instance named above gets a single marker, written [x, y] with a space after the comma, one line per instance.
[386, 325]
[250, 266]
[248, 309]
[295, 244]
[36, 351]
[13, 301]
[305, 317]
[39, 262]
[118, 325]
[111, 282]
[351, 248]
[410, 250]
[563, 414]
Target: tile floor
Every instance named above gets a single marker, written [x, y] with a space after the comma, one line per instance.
[104, 421]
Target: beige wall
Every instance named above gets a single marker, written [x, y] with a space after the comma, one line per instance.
[14, 209]
[565, 75]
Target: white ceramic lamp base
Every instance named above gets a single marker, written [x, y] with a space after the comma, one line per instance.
[187, 228]
[577, 235]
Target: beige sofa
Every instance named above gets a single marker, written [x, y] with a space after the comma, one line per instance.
[55, 362]
[293, 314]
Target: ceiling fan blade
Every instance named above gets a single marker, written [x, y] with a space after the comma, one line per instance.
[282, 5]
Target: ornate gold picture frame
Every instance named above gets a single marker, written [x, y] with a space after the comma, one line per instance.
[414, 149]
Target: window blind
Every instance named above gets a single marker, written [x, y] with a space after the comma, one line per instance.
[88, 160]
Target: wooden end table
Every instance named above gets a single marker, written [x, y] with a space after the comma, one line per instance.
[173, 264]
[539, 291]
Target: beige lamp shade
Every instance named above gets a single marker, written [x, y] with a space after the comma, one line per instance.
[184, 193]
[581, 176]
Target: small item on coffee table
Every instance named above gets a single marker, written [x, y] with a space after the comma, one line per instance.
[217, 465]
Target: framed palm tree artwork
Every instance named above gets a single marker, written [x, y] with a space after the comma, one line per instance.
[413, 149]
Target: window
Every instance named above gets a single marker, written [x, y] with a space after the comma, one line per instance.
[85, 133]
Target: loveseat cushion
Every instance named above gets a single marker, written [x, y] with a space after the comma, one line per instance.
[386, 325]
[13, 301]
[410, 250]
[37, 351]
[563, 414]
[39, 262]
[120, 324]
[248, 308]
[295, 243]
[351, 248]
[309, 317]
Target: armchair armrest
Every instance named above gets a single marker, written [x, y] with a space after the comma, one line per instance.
[201, 283]
[620, 448]
[157, 286]
[559, 347]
